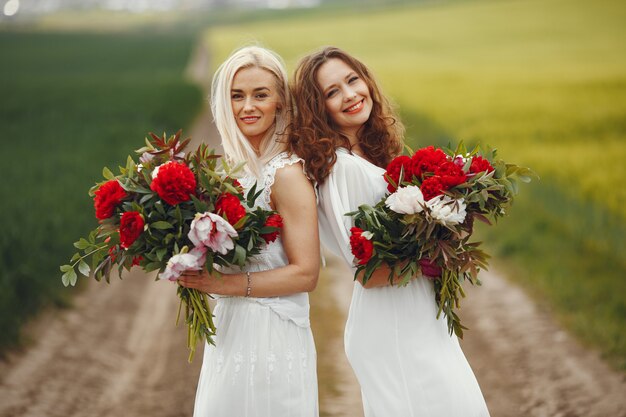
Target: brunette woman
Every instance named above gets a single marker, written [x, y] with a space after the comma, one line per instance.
[403, 357]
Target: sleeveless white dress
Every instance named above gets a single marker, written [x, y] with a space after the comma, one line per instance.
[403, 357]
[263, 363]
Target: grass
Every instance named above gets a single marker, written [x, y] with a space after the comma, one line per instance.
[545, 83]
[71, 104]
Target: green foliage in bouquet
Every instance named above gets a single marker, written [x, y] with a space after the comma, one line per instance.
[426, 223]
[146, 213]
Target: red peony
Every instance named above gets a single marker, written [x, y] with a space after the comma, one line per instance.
[230, 206]
[137, 260]
[393, 171]
[451, 174]
[480, 164]
[432, 187]
[108, 196]
[274, 220]
[174, 183]
[430, 269]
[427, 160]
[131, 227]
[362, 248]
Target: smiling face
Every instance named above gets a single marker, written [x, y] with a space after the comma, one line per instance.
[347, 96]
[254, 101]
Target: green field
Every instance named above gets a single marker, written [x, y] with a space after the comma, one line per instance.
[545, 83]
[71, 104]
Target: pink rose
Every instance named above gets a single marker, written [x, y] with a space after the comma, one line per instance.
[192, 261]
[212, 231]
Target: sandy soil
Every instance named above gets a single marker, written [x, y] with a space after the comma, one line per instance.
[118, 353]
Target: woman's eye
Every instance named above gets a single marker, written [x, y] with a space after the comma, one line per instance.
[236, 96]
[353, 79]
[261, 95]
[331, 93]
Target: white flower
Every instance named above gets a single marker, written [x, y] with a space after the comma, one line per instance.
[155, 171]
[461, 160]
[146, 157]
[447, 211]
[406, 200]
[192, 261]
[213, 232]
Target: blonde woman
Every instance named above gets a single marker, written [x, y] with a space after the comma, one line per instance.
[263, 363]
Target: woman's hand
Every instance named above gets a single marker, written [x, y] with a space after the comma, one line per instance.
[203, 281]
[380, 277]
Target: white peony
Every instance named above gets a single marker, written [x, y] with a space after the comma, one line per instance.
[182, 262]
[447, 211]
[213, 232]
[406, 200]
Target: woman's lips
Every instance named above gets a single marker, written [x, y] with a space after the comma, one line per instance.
[355, 108]
[249, 119]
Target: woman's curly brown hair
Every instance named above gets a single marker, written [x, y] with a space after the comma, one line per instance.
[315, 137]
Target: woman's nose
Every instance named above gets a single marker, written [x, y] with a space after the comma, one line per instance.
[348, 94]
[248, 105]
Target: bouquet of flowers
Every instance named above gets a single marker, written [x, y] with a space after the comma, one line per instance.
[425, 222]
[173, 212]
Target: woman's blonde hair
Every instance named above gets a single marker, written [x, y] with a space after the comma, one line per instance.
[237, 148]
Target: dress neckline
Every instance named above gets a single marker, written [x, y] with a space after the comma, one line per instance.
[347, 152]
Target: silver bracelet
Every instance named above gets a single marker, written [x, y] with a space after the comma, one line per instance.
[248, 288]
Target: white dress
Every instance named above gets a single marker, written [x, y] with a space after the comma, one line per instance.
[263, 363]
[403, 357]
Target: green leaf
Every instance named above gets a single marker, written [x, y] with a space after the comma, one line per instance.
[83, 267]
[82, 244]
[161, 225]
[160, 253]
[145, 198]
[69, 278]
[106, 173]
[65, 268]
[240, 255]
[152, 266]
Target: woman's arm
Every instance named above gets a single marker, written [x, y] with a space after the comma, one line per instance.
[294, 198]
[380, 277]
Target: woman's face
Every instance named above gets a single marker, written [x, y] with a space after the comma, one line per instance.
[254, 100]
[347, 96]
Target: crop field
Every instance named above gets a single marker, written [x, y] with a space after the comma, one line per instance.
[542, 81]
[71, 104]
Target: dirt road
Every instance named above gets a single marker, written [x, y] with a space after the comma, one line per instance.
[118, 353]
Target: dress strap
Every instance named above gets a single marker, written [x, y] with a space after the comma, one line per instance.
[269, 173]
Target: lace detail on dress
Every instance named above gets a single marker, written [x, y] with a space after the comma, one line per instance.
[269, 173]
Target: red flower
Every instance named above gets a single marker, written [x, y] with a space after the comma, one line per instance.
[427, 160]
[480, 164]
[362, 248]
[174, 183]
[131, 226]
[430, 269]
[108, 196]
[274, 220]
[136, 260]
[451, 174]
[432, 187]
[230, 206]
[393, 171]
